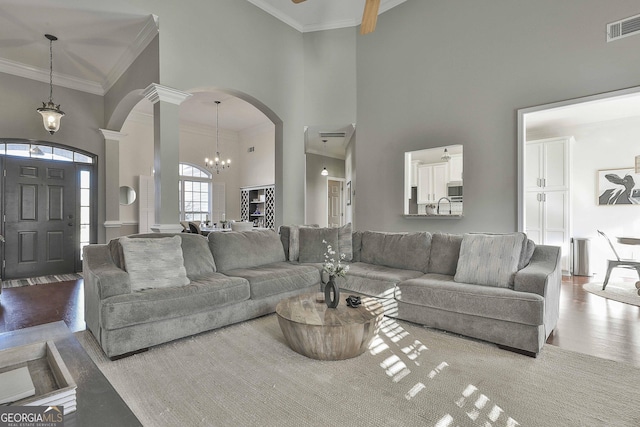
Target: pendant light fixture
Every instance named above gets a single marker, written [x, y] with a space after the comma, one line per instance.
[216, 164]
[51, 113]
[446, 156]
[325, 172]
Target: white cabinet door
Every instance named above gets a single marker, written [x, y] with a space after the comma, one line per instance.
[425, 184]
[534, 217]
[556, 222]
[556, 165]
[533, 167]
[455, 167]
[440, 179]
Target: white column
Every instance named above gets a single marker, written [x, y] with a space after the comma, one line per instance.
[166, 154]
[112, 222]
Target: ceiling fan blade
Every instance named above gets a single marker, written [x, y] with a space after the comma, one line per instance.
[297, 1]
[369, 16]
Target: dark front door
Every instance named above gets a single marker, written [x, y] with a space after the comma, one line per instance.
[40, 222]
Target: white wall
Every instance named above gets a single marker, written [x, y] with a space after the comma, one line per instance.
[604, 145]
[258, 166]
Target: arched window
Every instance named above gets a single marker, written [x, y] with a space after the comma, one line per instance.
[199, 197]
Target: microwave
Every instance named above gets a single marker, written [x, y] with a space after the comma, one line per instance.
[454, 189]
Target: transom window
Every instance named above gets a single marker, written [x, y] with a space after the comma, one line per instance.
[195, 193]
[44, 152]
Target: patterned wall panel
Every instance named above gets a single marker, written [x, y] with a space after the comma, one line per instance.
[270, 208]
[244, 205]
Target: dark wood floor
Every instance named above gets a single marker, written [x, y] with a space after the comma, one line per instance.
[588, 323]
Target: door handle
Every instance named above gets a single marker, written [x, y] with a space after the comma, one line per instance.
[70, 224]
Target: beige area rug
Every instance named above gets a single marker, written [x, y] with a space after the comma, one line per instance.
[625, 292]
[245, 375]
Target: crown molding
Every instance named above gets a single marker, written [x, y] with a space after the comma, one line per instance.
[144, 37]
[142, 40]
[156, 92]
[112, 135]
[33, 73]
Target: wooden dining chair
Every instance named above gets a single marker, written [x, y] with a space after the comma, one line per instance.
[618, 262]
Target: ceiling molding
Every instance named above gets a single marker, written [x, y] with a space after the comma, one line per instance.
[273, 11]
[332, 25]
[156, 92]
[142, 40]
[42, 75]
[144, 37]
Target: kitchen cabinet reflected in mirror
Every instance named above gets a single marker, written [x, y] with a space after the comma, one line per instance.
[433, 180]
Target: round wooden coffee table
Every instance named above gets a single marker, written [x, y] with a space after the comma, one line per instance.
[318, 332]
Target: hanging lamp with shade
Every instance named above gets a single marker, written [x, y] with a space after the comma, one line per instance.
[325, 172]
[51, 113]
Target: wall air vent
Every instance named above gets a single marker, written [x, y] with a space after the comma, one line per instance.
[332, 134]
[623, 28]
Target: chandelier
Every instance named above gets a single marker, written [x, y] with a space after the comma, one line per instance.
[51, 113]
[216, 164]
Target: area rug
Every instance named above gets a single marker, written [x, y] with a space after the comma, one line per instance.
[625, 292]
[16, 283]
[245, 375]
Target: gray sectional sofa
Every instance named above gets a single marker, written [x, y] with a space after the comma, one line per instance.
[498, 288]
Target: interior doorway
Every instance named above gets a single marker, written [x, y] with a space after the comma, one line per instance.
[335, 202]
[602, 131]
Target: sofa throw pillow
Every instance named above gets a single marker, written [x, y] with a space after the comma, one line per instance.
[312, 249]
[445, 251]
[245, 249]
[345, 243]
[527, 252]
[293, 247]
[154, 263]
[490, 260]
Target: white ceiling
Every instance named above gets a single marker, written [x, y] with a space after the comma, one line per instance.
[316, 15]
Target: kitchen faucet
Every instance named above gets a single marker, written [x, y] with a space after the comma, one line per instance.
[448, 200]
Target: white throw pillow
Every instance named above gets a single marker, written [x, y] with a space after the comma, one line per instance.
[490, 260]
[155, 262]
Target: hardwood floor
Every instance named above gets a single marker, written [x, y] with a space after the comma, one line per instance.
[588, 323]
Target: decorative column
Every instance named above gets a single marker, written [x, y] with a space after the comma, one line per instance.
[166, 156]
[112, 222]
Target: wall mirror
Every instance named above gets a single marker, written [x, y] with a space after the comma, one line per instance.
[127, 195]
[433, 181]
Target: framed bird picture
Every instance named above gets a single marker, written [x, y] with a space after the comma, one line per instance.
[618, 187]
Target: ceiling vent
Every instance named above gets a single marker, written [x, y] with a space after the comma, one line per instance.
[332, 134]
[624, 28]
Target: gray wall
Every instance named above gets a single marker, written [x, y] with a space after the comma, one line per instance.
[439, 73]
[330, 77]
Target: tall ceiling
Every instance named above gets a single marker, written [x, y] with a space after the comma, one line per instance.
[316, 15]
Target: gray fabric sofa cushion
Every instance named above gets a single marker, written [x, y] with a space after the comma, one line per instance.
[214, 290]
[245, 249]
[312, 248]
[277, 278]
[375, 280]
[290, 239]
[528, 248]
[489, 259]
[445, 250]
[440, 291]
[408, 251]
[198, 260]
[154, 263]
